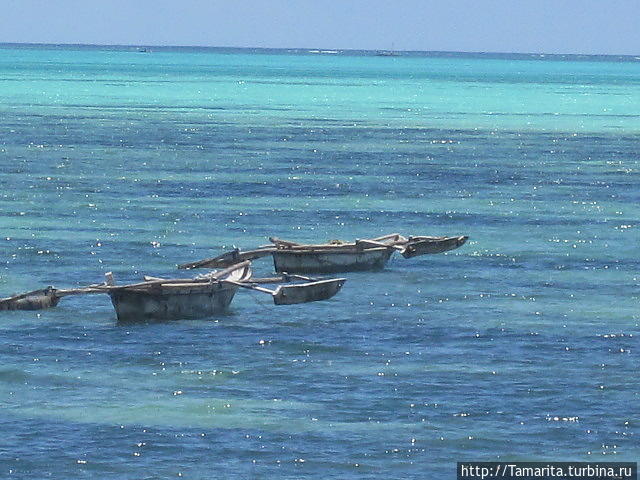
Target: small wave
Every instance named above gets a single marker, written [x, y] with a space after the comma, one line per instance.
[14, 375]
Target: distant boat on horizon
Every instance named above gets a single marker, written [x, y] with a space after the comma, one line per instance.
[329, 52]
[388, 53]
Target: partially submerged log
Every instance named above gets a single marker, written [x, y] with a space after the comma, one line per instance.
[431, 245]
[34, 300]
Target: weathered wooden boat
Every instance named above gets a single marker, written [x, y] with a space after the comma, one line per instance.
[184, 298]
[206, 295]
[430, 245]
[367, 254]
[311, 290]
[169, 299]
[291, 257]
[316, 259]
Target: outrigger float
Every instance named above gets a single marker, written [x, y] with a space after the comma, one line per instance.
[183, 298]
[336, 256]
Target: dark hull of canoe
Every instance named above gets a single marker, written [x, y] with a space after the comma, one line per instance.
[170, 303]
[36, 300]
[308, 292]
[325, 261]
[433, 245]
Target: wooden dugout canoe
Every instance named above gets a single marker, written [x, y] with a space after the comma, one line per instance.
[312, 290]
[172, 301]
[360, 255]
[292, 257]
[367, 254]
[330, 260]
[430, 245]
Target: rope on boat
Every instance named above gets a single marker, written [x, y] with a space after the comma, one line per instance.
[255, 296]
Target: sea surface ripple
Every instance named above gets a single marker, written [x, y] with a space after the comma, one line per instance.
[521, 345]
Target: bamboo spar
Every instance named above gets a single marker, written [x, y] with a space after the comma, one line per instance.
[373, 243]
[228, 258]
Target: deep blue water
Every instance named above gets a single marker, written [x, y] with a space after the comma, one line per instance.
[521, 345]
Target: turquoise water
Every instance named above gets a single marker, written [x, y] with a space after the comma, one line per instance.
[521, 345]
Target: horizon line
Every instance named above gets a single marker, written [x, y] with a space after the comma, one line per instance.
[145, 45]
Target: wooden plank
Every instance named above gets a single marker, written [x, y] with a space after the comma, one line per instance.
[159, 281]
[299, 277]
[374, 244]
[250, 287]
[80, 291]
[231, 269]
[228, 258]
[285, 243]
[266, 280]
[285, 277]
[393, 237]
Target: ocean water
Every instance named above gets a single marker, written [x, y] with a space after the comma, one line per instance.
[521, 345]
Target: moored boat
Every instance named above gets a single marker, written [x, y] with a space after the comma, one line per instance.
[170, 299]
[183, 298]
[366, 254]
[330, 260]
[431, 245]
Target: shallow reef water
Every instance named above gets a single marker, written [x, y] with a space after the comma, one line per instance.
[520, 345]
